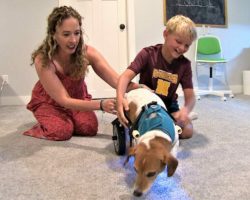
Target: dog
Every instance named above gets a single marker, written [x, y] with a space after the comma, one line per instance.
[156, 138]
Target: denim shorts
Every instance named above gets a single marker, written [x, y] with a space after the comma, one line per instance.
[174, 107]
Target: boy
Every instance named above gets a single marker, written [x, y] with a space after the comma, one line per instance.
[162, 68]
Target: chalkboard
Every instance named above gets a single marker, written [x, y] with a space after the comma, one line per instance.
[202, 12]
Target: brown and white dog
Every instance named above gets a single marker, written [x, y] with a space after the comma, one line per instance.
[155, 149]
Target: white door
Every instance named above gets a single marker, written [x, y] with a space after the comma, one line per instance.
[101, 24]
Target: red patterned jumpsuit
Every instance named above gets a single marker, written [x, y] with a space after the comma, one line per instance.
[56, 122]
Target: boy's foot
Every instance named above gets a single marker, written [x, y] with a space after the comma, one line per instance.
[193, 116]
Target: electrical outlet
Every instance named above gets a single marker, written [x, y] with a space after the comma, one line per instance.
[5, 78]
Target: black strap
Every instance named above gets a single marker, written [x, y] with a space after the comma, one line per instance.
[135, 125]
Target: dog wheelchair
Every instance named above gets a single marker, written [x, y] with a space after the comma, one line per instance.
[119, 137]
[120, 133]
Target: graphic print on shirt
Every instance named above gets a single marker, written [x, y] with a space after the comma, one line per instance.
[164, 80]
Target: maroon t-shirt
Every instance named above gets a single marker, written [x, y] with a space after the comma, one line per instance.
[159, 75]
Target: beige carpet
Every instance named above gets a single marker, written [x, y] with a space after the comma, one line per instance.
[213, 165]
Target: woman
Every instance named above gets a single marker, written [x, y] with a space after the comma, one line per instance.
[60, 100]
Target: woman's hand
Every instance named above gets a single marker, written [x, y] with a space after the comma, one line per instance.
[108, 105]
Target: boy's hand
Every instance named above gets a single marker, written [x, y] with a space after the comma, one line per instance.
[121, 107]
[181, 116]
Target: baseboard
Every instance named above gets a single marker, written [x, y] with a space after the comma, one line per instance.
[14, 100]
[23, 100]
[236, 89]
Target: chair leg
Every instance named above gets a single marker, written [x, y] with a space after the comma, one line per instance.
[210, 90]
[229, 92]
[210, 81]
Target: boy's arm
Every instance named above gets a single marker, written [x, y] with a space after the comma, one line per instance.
[122, 86]
[189, 99]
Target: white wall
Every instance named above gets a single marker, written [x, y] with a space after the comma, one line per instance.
[22, 25]
[235, 38]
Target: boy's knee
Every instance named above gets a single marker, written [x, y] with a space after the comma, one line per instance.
[187, 132]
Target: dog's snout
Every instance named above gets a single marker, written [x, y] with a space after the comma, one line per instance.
[137, 193]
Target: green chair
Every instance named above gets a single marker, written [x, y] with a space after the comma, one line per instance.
[209, 53]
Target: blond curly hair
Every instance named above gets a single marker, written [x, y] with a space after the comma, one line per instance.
[49, 47]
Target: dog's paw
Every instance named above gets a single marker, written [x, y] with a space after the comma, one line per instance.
[193, 116]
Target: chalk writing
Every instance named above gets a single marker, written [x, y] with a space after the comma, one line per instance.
[195, 3]
[202, 12]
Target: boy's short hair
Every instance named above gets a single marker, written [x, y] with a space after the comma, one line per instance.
[182, 25]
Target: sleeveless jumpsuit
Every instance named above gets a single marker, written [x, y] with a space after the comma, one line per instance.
[56, 122]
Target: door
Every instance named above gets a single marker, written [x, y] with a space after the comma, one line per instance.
[104, 25]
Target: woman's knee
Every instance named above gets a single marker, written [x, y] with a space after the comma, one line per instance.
[87, 128]
[87, 124]
[90, 129]
[61, 131]
[54, 124]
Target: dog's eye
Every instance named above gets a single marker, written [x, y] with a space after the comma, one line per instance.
[150, 174]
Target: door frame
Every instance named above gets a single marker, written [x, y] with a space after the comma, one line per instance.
[130, 27]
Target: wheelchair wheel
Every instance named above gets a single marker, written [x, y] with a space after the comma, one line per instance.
[119, 138]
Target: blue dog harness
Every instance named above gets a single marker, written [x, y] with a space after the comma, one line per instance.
[155, 117]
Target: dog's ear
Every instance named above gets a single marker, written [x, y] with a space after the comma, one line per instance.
[171, 163]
